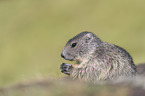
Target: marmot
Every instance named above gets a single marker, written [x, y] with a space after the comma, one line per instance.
[96, 60]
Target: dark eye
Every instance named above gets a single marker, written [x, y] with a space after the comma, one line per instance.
[73, 45]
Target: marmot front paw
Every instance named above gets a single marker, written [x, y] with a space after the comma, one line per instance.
[65, 68]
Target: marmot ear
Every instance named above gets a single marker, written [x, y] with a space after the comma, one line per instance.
[89, 37]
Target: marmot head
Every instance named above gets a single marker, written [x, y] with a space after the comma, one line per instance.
[80, 46]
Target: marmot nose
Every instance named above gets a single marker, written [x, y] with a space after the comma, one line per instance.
[62, 55]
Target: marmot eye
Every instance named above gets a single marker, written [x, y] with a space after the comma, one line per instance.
[73, 45]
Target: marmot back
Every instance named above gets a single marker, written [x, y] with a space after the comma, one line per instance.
[96, 60]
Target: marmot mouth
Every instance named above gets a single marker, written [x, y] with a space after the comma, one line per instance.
[69, 59]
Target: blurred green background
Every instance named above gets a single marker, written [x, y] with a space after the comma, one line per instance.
[34, 32]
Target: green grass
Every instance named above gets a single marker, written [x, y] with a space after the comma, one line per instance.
[33, 32]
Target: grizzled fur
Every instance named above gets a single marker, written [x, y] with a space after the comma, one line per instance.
[97, 60]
